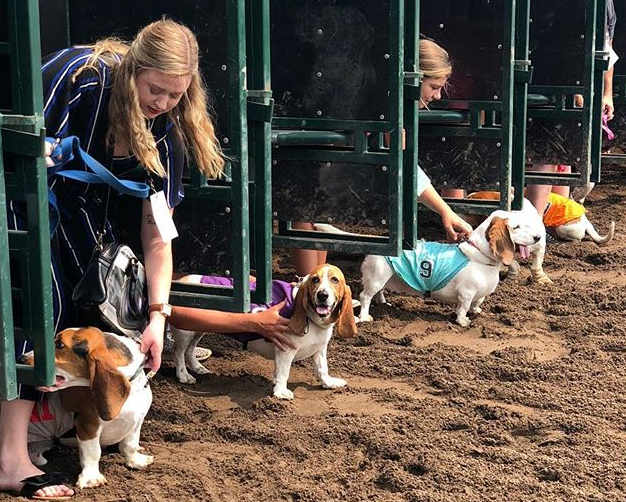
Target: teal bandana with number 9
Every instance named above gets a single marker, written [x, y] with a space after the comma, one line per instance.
[430, 266]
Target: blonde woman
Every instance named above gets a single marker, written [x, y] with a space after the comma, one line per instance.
[139, 103]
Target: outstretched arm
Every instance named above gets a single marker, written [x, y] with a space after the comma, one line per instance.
[158, 261]
[269, 323]
[454, 225]
[607, 95]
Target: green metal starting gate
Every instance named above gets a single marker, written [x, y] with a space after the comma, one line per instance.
[317, 111]
[568, 59]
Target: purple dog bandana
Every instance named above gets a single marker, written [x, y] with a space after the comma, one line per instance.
[281, 290]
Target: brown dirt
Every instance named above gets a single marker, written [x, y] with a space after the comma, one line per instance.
[525, 405]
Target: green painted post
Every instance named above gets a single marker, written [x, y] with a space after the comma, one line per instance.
[396, 116]
[8, 376]
[411, 125]
[235, 16]
[34, 249]
[259, 78]
[523, 73]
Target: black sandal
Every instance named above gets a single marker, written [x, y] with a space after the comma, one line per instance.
[34, 483]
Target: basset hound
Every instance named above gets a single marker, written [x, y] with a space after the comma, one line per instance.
[463, 274]
[320, 301]
[562, 216]
[102, 390]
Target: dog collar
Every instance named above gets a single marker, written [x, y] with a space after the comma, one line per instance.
[139, 372]
[492, 262]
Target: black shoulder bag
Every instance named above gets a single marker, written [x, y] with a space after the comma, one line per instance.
[113, 294]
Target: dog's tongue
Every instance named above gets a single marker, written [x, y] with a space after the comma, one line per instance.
[323, 310]
[59, 380]
[523, 251]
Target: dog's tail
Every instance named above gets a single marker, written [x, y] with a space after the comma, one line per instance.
[330, 229]
[596, 237]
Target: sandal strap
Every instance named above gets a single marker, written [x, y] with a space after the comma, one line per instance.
[34, 483]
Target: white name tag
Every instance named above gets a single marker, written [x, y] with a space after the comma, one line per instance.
[613, 57]
[163, 217]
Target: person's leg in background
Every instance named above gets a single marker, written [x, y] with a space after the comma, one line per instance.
[305, 260]
[453, 193]
[562, 189]
[538, 194]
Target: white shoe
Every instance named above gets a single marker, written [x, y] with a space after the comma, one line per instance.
[202, 354]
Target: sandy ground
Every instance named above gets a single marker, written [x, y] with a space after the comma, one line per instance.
[525, 405]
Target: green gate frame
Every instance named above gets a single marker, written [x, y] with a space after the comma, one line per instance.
[557, 98]
[445, 121]
[23, 137]
[291, 137]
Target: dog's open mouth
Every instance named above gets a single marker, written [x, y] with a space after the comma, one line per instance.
[58, 382]
[323, 310]
[523, 251]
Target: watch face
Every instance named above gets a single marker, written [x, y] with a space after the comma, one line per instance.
[166, 309]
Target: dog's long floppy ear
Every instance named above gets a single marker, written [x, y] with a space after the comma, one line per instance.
[109, 387]
[297, 324]
[346, 325]
[500, 241]
[75, 399]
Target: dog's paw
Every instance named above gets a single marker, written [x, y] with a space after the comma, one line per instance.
[476, 310]
[333, 383]
[366, 318]
[139, 461]
[283, 393]
[90, 480]
[200, 370]
[185, 378]
[512, 276]
[463, 321]
[541, 278]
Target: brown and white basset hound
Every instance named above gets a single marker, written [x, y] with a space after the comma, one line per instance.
[102, 391]
[321, 301]
[462, 274]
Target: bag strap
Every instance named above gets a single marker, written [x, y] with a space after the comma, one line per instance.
[69, 148]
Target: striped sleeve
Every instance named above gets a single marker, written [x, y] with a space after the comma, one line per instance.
[73, 104]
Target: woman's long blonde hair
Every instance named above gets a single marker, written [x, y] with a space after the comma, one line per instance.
[434, 60]
[171, 48]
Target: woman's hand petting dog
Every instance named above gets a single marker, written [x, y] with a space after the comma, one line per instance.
[456, 227]
[152, 342]
[273, 327]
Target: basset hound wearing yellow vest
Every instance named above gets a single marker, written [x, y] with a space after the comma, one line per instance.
[567, 218]
[102, 390]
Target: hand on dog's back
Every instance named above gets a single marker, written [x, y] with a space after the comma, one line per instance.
[273, 327]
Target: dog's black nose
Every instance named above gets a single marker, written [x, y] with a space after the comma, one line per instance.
[322, 296]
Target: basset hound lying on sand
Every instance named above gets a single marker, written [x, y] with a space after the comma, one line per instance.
[565, 217]
[102, 391]
[321, 301]
[463, 274]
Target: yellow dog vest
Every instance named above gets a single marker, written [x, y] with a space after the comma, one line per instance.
[561, 210]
